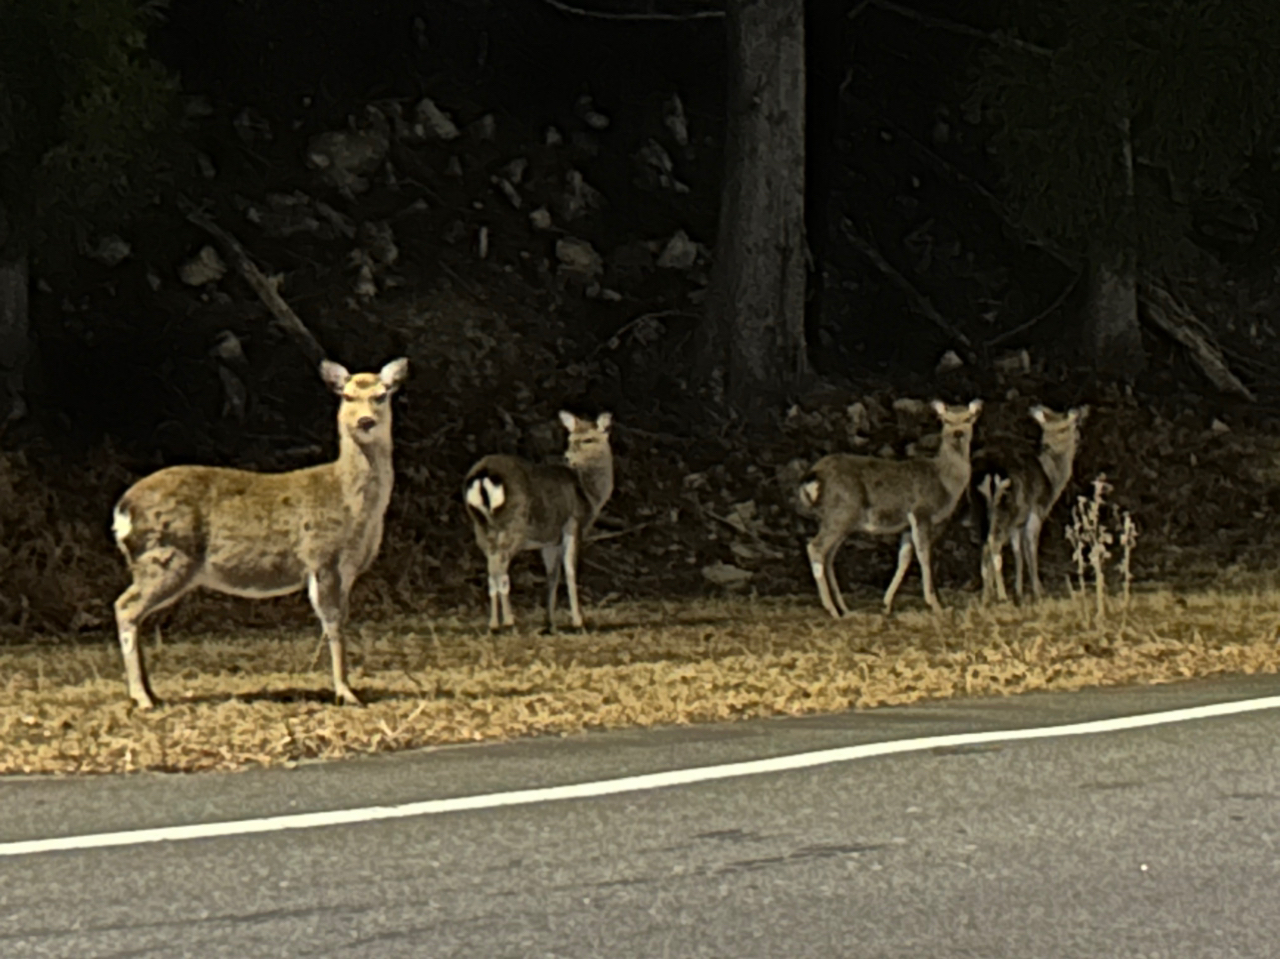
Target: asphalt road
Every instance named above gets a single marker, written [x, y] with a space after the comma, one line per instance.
[1157, 842]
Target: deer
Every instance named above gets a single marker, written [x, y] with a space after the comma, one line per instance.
[261, 535]
[1013, 492]
[867, 494]
[516, 505]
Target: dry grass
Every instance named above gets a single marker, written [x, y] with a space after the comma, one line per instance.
[264, 699]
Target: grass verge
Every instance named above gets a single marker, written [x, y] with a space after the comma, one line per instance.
[264, 699]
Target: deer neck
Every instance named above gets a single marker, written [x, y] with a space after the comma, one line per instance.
[1056, 460]
[365, 476]
[953, 466]
[596, 481]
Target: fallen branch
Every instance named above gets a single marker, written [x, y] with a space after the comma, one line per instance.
[266, 287]
[920, 302]
[1023, 327]
[938, 23]
[610, 15]
[1173, 319]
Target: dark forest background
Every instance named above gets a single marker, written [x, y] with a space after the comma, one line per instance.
[1031, 205]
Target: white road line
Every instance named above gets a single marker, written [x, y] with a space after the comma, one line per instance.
[627, 784]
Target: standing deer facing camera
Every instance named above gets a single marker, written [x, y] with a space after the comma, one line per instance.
[264, 534]
[516, 505]
[866, 494]
[1014, 491]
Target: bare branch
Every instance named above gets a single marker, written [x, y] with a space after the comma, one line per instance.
[919, 301]
[653, 15]
[1172, 318]
[1023, 327]
[266, 287]
[997, 37]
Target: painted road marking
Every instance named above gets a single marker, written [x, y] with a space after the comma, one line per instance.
[628, 784]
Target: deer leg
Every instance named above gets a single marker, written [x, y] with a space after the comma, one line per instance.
[1015, 541]
[570, 553]
[922, 537]
[158, 581]
[552, 558]
[822, 551]
[499, 590]
[830, 565]
[905, 551]
[1031, 546]
[328, 595]
[988, 571]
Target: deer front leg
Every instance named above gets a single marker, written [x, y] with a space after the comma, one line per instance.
[905, 552]
[569, 547]
[821, 552]
[922, 537]
[328, 593]
[552, 558]
[1031, 546]
[1015, 542]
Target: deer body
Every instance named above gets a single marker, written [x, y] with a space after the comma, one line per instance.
[516, 506]
[264, 534]
[1014, 492]
[866, 494]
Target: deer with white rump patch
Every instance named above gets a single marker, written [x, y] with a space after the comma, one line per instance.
[866, 494]
[264, 534]
[516, 505]
[1014, 491]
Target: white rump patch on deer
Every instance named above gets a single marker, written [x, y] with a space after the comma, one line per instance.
[810, 491]
[486, 495]
[121, 524]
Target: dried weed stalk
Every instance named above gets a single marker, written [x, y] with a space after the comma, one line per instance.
[1091, 537]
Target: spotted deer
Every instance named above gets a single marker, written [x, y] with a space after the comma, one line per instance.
[1013, 492]
[866, 494]
[516, 505]
[264, 534]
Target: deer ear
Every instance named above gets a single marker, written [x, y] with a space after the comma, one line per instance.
[1038, 414]
[938, 407]
[335, 375]
[568, 419]
[975, 407]
[604, 421]
[394, 373]
[1079, 413]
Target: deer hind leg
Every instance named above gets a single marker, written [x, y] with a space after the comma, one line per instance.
[569, 546]
[552, 559]
[822, 551]
[1031, 546]
[328, 594]
[158, 581]
[1015, 542]
[905, 552]
[499, 560]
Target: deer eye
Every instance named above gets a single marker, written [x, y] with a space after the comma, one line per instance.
[381, 398]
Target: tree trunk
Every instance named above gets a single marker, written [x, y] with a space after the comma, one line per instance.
[15, 324]
[1114, 331]
[1114, 334]
[755, 322]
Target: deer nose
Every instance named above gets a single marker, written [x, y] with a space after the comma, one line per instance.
[366, 423]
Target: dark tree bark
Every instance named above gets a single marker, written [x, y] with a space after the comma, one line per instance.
[1115, 333]
[755, 321]
[15, 323]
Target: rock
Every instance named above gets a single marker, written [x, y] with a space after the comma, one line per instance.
[205, 267]
[553, 137]
[578, 258]
[486, 128]
[679, 253]
[514, 171]
[579, 197]
[250, 125]
[950, 361]
[675, 120]
[431, 119]
[111, 250]
[723, 574]
[540, 218]
[587, 112]
[509, 191]
[1010, 364]
[657, 166]
[345, 156]
[379, 240]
